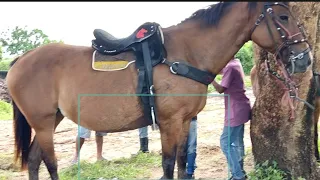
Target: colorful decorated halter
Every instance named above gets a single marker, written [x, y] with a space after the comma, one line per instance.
[289, 85]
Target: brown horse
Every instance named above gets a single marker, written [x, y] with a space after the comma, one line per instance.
[46, 82]
[255, 88]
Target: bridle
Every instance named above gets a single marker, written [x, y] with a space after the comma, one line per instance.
[288, 41]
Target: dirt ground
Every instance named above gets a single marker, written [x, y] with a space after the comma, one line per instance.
[210, 160]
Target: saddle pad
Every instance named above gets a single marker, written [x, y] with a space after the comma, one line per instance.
[101, 62]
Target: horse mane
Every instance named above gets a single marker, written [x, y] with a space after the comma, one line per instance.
[213, 13]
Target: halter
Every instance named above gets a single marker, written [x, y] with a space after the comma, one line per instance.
[288, 41]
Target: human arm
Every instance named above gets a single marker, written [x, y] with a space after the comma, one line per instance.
[226, 81]
[218, 87]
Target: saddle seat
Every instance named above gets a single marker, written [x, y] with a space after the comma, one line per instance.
[108, 44]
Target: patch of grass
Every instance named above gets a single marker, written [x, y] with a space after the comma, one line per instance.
[7, 167]
[139, 166]
[248, 151]
[266, 171]
[6, 162]
[6, 112]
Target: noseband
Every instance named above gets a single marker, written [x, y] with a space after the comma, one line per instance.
[288, 41]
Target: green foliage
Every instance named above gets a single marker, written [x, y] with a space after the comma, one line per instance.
[139, 166]
[20, 40]
[6, 112]
[1, 53]
[4, 65]
[266, 171]
[245, 54]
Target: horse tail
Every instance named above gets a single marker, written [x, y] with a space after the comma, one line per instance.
[22, 135]
[14, 61]
[22, 132]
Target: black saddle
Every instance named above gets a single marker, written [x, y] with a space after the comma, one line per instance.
[106, 43]
[147, 44]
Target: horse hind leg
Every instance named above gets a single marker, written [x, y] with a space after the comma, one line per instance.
[34, 160]
[36, 154]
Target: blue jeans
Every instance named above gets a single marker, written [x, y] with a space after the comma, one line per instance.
[236, 145]
[143, 132]
[192, 146]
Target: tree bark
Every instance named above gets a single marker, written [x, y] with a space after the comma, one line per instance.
[273, 135]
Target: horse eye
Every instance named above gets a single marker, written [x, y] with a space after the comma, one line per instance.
[284, 17]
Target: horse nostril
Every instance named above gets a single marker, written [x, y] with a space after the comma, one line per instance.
[309, 62]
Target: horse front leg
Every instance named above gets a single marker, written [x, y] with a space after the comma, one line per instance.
[182, 150]
[170, 134]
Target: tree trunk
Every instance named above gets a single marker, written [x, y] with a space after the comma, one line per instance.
[273, 135]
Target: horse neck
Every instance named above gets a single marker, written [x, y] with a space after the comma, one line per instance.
[208, 48]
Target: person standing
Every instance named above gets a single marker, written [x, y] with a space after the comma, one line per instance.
[191, 148]
[85, 134]
[144, 140]
[232, 85]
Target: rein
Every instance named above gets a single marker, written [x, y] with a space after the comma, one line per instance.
[291, 90]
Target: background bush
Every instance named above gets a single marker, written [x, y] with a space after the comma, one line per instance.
[245, 54]
[4, 65]
[6, 111]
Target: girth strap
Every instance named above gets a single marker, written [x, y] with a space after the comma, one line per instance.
[149, 76]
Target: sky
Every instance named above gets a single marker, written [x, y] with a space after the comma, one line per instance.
[74, 22]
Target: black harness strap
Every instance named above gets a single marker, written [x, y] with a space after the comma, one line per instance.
[149, 82]
[190, 72]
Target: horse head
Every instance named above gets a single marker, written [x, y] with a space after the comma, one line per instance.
[276, 30]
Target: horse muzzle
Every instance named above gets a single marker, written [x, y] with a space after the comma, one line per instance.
[299, 62]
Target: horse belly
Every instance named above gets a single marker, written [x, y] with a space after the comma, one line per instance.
[109, 113]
